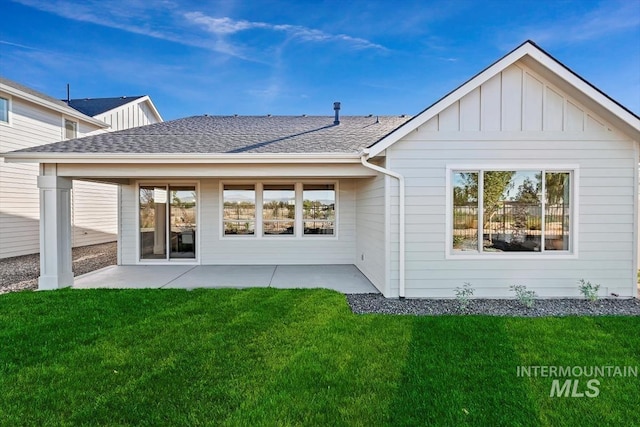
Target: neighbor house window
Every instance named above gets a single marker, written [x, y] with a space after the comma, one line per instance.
[239, 210]
[278, 209]
[511, 211]
[70, 129]
[319, 208]
[4, 110]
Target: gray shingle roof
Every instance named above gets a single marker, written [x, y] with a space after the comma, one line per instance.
[94, 106]
[238, 134]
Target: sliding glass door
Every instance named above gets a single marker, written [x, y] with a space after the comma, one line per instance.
[167, 222]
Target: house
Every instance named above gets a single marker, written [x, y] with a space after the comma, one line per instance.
[119, 113]
[526, 174]
[29, 118]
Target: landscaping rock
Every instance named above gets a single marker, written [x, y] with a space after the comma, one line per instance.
[376, 303]
[21, 272]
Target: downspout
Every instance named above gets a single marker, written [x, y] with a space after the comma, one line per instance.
[364, 155]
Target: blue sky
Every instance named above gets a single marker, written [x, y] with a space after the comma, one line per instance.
[290, 58]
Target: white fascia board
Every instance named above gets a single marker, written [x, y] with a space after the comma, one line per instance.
[584, 87]
[147, 99]
[67, 111]
[178, 158]
[525, 49]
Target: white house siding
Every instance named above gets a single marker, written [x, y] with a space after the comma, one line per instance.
[371, 230]
[215, 249]
[94, 213]
[30, 125]
[517, 118]
[128, 116]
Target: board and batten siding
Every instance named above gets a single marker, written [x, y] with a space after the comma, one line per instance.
[517, 118]
[371, 230]
[246, 250]
[30, 125]
[128, 116]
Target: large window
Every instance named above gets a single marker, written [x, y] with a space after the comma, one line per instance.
[4, 110]
[239, 215]
[279, 209]
[522, 211]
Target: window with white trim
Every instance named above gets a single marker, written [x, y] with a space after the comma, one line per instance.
[279, 209]
[522, 211]
[319, 208]
[4, 110]
[239, 215]
[70, 129]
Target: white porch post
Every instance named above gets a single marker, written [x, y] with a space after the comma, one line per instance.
[55, 232]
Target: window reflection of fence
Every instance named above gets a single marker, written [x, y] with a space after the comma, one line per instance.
[511, 217]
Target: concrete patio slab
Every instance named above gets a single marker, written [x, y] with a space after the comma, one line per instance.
[131, 276]
[344, 278]
[224, 276]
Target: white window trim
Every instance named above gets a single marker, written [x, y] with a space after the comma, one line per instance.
[335, 211]
[64, 128]
[9, 121]
[572, 253]
[255, 220]
[296, 229]
[299, 223]
[168, 260]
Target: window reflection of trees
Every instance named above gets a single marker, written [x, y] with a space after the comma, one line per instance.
[513, 211]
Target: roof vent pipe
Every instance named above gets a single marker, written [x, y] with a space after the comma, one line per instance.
[336, 108]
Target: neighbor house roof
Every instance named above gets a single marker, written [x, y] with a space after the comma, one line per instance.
[233, 135]
[16, 89]
[546, 65]
[94, 106]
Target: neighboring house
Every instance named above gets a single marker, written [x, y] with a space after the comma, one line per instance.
[119, 113]
[29, 118]
[526, 174]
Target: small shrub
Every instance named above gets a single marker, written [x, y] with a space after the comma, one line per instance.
[463, 295]
[589, 290]
[526, 297]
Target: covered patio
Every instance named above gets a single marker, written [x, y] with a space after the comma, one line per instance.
[342, 278]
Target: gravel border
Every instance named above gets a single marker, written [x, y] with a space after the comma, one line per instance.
[21, 273]
[376, 303]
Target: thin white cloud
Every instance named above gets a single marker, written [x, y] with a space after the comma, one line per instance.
[227, 26]
[221, 26]
[18, 45]
[127, 22]
[133, 16]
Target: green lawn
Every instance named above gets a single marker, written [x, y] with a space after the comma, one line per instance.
[294, 357]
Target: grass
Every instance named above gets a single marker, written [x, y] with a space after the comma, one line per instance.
[294, 357]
